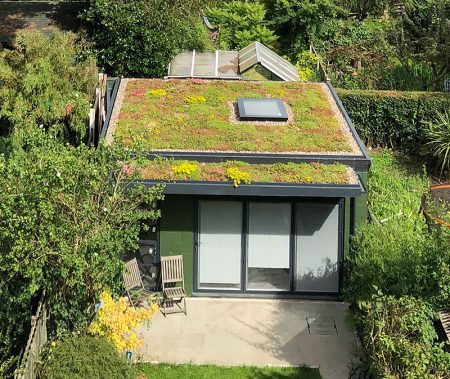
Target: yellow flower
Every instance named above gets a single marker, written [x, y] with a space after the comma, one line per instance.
[115, 320]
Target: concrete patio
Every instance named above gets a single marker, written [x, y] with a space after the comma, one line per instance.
[254, 332]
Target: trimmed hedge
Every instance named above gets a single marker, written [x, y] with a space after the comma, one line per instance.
[391, 118]
[82, 357]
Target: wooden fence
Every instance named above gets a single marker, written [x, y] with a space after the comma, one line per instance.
[36, 341]
[320, 66]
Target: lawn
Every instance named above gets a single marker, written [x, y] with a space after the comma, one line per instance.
[173, 170]
[166, 371]
[200, 115]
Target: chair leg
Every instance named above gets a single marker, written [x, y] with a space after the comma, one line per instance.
[184, 301]
[164, 306]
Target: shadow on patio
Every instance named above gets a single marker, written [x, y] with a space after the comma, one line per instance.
[254, 332]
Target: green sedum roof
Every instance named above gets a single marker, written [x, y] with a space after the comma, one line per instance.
[199, 115]
[162, 169]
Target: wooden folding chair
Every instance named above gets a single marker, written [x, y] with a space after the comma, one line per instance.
[134, 286]
[171, 277]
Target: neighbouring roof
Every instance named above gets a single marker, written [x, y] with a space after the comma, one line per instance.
[37, 15]
[230, 64]
[214, 65]
[258, 53]
[162, 169]
[200, 115]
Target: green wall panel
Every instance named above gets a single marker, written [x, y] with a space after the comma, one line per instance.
[177, 233]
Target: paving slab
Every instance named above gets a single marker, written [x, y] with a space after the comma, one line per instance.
[254, 332]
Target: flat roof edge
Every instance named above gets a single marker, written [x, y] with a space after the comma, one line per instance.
[349, 122]
[259, 189]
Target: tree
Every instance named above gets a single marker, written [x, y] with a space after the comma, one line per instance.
[356, 53]
[297, 21]
[140, 37]
[67, 214]
[241, 23]
[48, 81]
[420, 35]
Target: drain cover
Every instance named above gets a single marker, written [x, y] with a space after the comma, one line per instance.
[322, 325]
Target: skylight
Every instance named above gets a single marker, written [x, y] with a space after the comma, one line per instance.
[261, 109]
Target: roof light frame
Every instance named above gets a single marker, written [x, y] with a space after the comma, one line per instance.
[246, 115]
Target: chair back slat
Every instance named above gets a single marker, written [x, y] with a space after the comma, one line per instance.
[132, 276]
[172, 269]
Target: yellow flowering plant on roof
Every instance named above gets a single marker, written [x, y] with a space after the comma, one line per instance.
[158, 93]
[116, 321]
[238, 176]
[185, 169]
[195, 99]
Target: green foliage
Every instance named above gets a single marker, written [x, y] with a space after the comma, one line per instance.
[400, 340]
[81, 357]
[48, 81]
[437, 135]
[356, 52]
[393, 119]
[400, 256]
[140, 37]
[65, 220]
[241, 23]
[420, 37]
[402, 246]
[298, 21]
[398, 271]
[306, 64]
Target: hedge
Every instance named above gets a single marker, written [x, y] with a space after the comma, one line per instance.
[391, 118]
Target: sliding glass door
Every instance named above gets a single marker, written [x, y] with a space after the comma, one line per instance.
[317, 246]
[269, 231]
[254, 246]
[220, 245]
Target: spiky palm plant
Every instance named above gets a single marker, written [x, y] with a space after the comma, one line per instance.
[437, 134]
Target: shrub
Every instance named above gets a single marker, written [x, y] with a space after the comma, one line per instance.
[400, 339]
[399, 256]
[140, 37]
[241, 23]
[393, 119]
[437, 135]
[84, 357]
[116, 322]
[307, 66]
[65, 221]
[47, 80]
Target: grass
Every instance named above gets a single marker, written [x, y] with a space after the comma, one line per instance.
[173, 170]
[197, 115]
[166, 371]
[397, 183]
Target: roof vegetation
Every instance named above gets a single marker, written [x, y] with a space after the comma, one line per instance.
[244, 173]
[199, 115]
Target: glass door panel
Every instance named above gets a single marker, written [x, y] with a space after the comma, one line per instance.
[220, 244]
[317, 244]
[268, 246]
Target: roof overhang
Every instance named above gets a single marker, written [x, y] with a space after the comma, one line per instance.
[260, 189]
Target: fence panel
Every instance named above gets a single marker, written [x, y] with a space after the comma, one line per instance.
[36, 341]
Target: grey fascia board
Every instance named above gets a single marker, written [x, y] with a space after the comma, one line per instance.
[349, 122]
[113, 102]
[259, 189]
